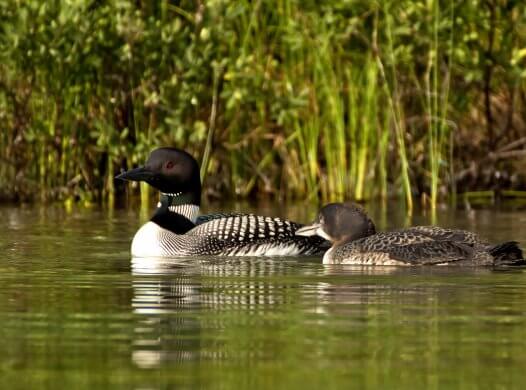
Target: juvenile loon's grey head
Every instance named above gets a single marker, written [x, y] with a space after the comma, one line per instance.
[340, 223]
[172, 171]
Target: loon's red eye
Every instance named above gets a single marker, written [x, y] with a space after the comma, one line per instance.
[169, 165]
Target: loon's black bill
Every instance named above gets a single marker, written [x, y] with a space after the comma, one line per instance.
[136, 174]
[309, 230]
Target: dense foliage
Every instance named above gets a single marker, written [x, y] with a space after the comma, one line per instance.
[342, 98]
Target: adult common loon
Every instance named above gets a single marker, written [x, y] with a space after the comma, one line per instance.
[176, 229]
[355, 241]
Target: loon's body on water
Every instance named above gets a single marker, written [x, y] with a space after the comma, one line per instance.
[355, 241]
[177, 229]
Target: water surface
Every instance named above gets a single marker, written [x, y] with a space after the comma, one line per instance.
[76, 312]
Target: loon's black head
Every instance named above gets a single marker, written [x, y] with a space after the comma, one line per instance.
[340, 223]
[170, 170]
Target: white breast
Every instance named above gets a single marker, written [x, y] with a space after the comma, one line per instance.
[327, 257]
[147, 243]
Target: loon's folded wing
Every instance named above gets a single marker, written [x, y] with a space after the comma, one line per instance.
[244, 226]
[432, 252]
[442, 234]
[411, 247]
[248, 233]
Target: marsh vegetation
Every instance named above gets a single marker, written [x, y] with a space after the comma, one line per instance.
[295, 99]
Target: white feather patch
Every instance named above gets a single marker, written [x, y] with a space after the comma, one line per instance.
[270, 249]
[146, 241]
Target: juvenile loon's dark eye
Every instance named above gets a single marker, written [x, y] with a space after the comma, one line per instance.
[169, 165]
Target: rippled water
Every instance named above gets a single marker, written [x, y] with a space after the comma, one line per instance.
[76, 312]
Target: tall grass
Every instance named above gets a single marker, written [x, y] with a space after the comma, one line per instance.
[395, 107]
[436, 106]
[347, 100]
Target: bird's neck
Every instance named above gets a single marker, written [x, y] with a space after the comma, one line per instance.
[176, 212]
[366, 229]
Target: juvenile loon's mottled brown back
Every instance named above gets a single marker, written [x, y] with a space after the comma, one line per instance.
[406, 247]
[443, 234]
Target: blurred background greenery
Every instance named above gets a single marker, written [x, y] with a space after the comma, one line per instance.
[355, 99]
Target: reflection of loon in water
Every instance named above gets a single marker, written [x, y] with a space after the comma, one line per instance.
[167, 330]
[192, 311]
[175, 300]
[368, 289]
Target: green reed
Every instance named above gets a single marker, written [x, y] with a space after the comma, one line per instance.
[437, 100]
[367, 111]
[395, 104]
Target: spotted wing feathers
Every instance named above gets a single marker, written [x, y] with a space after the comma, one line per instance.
[443, 234]
[431, 252]
[248, 234]
[414, 246]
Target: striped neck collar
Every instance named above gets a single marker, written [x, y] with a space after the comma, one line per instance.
[178, 203]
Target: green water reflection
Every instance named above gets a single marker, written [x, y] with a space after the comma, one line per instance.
[77, 313]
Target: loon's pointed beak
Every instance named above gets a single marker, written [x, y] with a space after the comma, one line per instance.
[136, 174]
[309, 230]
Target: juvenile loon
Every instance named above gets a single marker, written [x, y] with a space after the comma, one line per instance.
[176, 229]
[355, 241]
